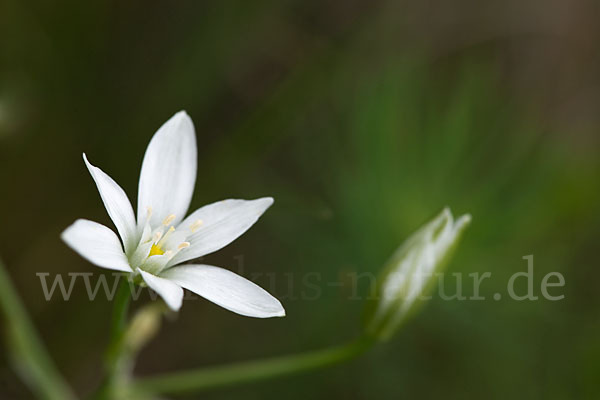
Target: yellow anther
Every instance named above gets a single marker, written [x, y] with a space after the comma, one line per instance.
[183, 245]
[196, 225]
[148, 212]
[155, 251]
[169, 219]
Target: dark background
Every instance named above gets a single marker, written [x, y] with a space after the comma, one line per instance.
[362, 119]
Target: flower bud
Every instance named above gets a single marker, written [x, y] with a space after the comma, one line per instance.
[411, 274]
[143, 327]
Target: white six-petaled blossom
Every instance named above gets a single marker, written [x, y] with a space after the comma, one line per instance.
[161, 239]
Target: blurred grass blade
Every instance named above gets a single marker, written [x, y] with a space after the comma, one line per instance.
[30, 357]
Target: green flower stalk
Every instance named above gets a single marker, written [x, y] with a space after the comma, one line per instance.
[410, 274]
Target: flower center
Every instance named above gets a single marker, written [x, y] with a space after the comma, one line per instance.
[155, 250]
[160, 244]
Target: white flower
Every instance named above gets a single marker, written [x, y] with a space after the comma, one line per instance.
[161, 239]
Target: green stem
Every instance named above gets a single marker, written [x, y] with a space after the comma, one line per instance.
[118, 323]
[113, 362]
[33, 362]
[252, 371]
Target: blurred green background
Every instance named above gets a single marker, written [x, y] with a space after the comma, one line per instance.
[362, 119]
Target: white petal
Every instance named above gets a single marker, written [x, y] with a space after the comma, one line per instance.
[156, 263]
[168, 171]
[222, 223]
[226, 289]
[140, 254]
[97, 244]
[117, 204]
[171, 293]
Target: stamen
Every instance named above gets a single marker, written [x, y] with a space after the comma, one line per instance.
[148, 212]
[171, 230]
[183, 245]
[157, 236]
[169, 219]
[196, 225]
